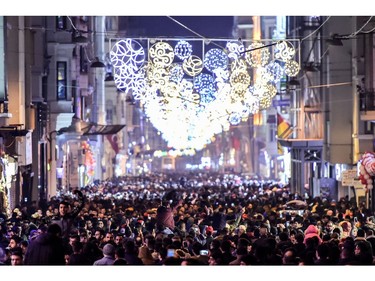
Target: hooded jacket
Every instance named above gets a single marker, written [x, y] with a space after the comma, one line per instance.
[46, 249]
[312, 231]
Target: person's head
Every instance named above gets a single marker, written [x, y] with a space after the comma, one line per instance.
[16, 256]
[108, 237]
[14, 241]
[362, 247]
[263, 230]
[109, 250]
[289, 256]
[330, 226]
[241, 229]
[99, 234]
[119, 253]
[100, 224]
[346, 226]
[89, 224]
[84, 237]
[74, 237]
[24, 244]
[63, 208]
[77, 247]
[54, 230]
[118, 239]
[361, 233]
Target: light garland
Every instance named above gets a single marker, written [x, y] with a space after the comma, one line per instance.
[189, 99]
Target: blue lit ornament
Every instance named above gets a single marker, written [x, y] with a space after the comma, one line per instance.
[216, 58]
[183, 50]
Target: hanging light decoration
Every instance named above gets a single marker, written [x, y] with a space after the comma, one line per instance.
[189, 99]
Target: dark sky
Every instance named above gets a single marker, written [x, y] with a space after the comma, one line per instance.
[163, 26]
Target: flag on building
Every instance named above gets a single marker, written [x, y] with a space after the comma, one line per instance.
[284, 130]
[113, 141]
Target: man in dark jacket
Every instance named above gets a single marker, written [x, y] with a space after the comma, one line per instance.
[65, 219]
[47, 248]
[219, 219]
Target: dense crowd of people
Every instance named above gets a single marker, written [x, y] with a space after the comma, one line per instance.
[200, 219]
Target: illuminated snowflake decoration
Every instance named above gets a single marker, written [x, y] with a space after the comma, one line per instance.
[216, 58]
[125, 79]
[187, 105]
[127, 53]
[183, 50]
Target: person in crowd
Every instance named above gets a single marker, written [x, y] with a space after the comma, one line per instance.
[165, 216]
[203, 215]
[14, 242]
[77, 257]
[120, 256]
[108, 255]
[131, 253]
[16, 256]
[47, 249]
[67, 215]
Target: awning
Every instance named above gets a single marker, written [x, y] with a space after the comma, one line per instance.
[90, 129]
[13, 131]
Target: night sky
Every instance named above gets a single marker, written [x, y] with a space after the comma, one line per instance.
[163, 26]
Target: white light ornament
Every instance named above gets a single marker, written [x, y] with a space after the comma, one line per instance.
[128, 81]
[257, 54]
[284, 51]
[193, 65]
[189, 99]
[127, 53]
[127, 58]
[235, 50]
[291, 68]
[161, 54]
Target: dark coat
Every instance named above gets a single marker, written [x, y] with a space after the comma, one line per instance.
[46, 249]
[132, 259]
[219, 221]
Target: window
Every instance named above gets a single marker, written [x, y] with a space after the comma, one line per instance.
[61, 80]
[83, 63]
[60, 22]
